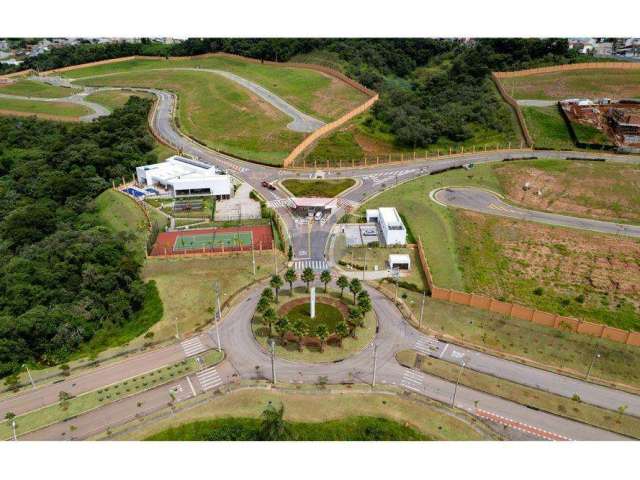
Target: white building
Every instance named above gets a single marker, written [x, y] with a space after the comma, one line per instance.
[391, 226]
[400, 261]
[182, 176]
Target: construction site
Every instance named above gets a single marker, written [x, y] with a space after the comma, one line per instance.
[619, 120]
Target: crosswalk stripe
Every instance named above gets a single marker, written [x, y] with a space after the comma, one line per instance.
[193, 346]
[413, 375]
[314, 264]
[209, 379]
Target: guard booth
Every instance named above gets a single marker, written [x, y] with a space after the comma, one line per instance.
[399, 262]
[309, 206]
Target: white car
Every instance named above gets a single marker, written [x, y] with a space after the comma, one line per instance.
[318, 216]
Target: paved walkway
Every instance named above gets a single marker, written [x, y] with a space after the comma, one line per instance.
[241, 206]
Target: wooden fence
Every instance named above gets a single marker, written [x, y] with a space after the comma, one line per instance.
[516, 109]
[569, 68]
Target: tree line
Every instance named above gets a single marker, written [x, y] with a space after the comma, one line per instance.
[63, 276]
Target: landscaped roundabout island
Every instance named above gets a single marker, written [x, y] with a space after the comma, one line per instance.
[344, 322]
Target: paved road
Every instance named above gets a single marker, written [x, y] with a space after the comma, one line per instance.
[485, 201]
[537, 103]
[79, 99]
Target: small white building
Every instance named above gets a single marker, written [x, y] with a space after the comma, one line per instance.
[391, 226]
[182, 176]
[400, 261]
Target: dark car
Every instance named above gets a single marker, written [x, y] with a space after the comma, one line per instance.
[266, 184]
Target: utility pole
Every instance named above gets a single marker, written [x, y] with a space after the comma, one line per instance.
[455, 389]
[424, 294]
[593, 360]
[33, 384]
[365, 263]
[13, 425]
[218, 316]
[396, 274]
[175, 321]
[253, 260]
[275, 263]
[375, 351]
[273, 363]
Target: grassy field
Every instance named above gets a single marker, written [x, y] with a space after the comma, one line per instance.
[249, 429]
[431, 419]
[327, 314]
[186, 286]
[207, 101]
[311, 353]
[63, 111]
[593, 83]
[30, 88]
[598, 190]
[74, 406]
[541, 346]
[113, 99]
[317, 188]
[570, 408]
[312, 92]
[547, 128]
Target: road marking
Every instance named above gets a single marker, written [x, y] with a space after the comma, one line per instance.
[317, 265]
[523, 427]
[209, 379]
[444, 350]
[426, 345]
[412, 381]
[193, 390]
[193, 346]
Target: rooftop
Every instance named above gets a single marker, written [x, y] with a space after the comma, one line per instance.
[390, 216]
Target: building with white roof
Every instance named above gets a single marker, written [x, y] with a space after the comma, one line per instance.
[399, 261]
[182, 176]
[391, 225]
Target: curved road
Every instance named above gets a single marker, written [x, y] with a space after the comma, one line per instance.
[485, 201]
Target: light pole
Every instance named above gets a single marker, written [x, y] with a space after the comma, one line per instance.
[13, 425]
[273, 363]
[424, 294]
[375, 351]
[396, 275]
[455, 389]
[219, 315]
[593, 360]
[365, 263]
[253, 260]
[33, 384]
[175, 321]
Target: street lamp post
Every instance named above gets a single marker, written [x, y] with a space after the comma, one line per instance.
[424, 294]
[396, 274]
[365, 263]
[593, 360]
[218, 316]
[375, 351]
[33, 384]
[13, 425]
[175, 321]
[455, 389]
[273, 363]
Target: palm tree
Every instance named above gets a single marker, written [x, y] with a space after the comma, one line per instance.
[355, 319]
[290, 276]
[363, 294]
[282, 327]
[269, 316]
[272, 425]
[308, 276]
[299, 329]
[276, 283]
[364, 304]
[355, 287]
[263, 304]
[268, 294]
[322, 332]
[342, 331]
[343, 282]
[325, 277]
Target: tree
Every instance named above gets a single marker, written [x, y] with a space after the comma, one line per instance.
[276, 283]
[9, 416]
[322, 332]
[268, 294]
[363, 294]
[262, 306]
[299, 329]
[272, 425]
[290, 276]
[269, 316]
[355, 287]
[64, 398]
[308, 276]
[290, 253]
[355, 319]
[325, 277]
[364, 304]
[343, 282]
[282, 327]
[342, 331]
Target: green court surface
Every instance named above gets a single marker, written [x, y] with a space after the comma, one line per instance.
[213, 240]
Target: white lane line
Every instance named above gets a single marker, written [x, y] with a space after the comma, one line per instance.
[193, 390]
[444, 350]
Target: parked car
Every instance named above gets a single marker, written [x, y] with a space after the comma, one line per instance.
[266, 184]
[318, 216]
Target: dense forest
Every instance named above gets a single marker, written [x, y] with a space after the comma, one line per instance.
[429, 88]
[63, 277]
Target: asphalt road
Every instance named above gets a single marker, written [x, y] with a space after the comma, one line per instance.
[79, 98]
[487, 202]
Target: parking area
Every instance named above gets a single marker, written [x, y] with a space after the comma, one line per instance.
[360, 234]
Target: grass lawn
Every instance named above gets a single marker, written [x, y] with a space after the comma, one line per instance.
[206, 104]
[311, 353]
[555, 404]
[30, 88]
[317, 188]
[537, 344]
[63, 111]
[311, 92]
[186, 286]
[547, 128]
[88, 401]
[601, 190]
[249, 429]
[113, 99]
[592, 83]
[325, 314]
[429, 418]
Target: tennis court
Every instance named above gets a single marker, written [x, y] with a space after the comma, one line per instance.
[212, 240]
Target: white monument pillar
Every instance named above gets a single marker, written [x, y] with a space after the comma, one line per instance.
[312, 312]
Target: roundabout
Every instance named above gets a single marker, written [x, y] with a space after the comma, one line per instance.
[338, 330]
